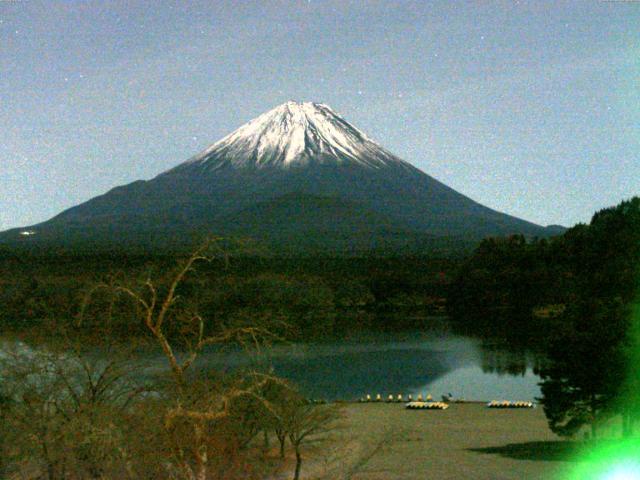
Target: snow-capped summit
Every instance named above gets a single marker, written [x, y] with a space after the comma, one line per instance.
[297, 179]
[295, 133]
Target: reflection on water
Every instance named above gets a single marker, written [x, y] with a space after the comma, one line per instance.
[495, 359]
[393, 364]
[350, 375]
[427, 362]
[473, 383]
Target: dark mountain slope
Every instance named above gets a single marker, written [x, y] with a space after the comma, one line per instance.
[296, 172]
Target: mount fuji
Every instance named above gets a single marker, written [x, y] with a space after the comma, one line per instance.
[298, 178]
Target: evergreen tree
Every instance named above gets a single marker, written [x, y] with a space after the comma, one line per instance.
[591, 358]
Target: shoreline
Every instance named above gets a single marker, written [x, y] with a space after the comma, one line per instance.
[467, 440]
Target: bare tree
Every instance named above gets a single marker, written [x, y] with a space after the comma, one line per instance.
[66, 412]
[203, 409]
[87, 419]
[306, 423]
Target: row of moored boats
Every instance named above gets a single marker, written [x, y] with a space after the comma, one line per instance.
[396, 399]
[427, 403]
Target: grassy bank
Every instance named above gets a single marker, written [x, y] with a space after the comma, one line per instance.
[385, 441]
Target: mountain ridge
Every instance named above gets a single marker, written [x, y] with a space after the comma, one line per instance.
[301, 158]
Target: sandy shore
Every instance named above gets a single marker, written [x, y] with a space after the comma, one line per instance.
[385, 441]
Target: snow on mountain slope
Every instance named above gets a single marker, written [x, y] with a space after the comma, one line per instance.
[298, 175]
[295, 134]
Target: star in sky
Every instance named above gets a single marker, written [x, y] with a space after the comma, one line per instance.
[481, 105]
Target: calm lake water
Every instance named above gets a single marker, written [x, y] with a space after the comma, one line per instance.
[434, 362]
[409, 363]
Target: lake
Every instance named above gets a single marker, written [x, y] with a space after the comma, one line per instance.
[434, 362]
[402, 363]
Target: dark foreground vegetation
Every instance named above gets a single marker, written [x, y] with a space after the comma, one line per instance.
[317, 297]
[573, 298]
[67, 412]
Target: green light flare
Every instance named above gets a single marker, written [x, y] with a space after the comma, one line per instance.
[617, 459]
[630, 399]
[613, 460]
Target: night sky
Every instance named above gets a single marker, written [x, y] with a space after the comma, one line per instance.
[531, 108]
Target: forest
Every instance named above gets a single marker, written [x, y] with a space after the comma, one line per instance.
[572, 299]
[68, 412]
[318, 297]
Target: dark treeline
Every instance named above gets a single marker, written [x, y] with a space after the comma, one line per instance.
[318, 297]
[515, 288]
[526, 290]
[572, 298]
[67, 412]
